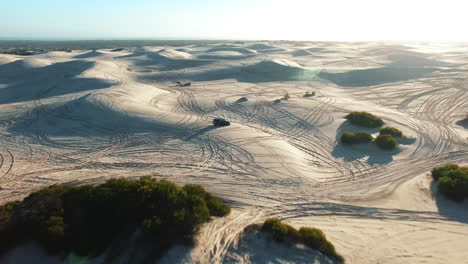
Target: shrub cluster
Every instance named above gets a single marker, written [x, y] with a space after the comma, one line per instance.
[311, 237]
[452, 181]
[21, 52]
[364, 119]
[359, 137]
[85, 219]
[386, 142]
[391, 131]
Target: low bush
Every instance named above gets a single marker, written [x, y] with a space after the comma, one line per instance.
[347, 138]
[364, 119]
[280, 231]
[85, 219]
[21, 52]
[359, 137]
[391, 131]
[311, 237]
[452, 181]
[439, 172]
[386, 142]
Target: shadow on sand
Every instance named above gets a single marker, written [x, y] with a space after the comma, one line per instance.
[264, 71]
[89, 118]
[358, 151]
[163, 63]
[199, 132]
[56, 79]
[403, 67]
[451, 210]
[88, 55]
[463, 123]
[376, 76]
[257, 247]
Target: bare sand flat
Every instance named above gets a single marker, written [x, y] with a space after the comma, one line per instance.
[87, 116]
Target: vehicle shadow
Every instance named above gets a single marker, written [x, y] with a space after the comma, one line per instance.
[199, 132]
[463, 123]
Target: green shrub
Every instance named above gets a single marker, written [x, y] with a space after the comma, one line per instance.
[442, 171]
[85, 219]
[315, 238]
[386, 142]
[216, 207]
[452, 181]
[347, 138]
[359, 137]
[364, 119]
[280, 231]
[21, 52]
[391, 131]
[6, 212]
[362, 137]
[311, 237]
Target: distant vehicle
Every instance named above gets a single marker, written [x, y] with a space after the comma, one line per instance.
[242, 99]
[221, 122]
[307, 94]
[183, 84]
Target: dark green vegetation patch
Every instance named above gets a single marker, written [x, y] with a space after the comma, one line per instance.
[391, 131]
[364, 119]
[86, 219]
[357, 138]
[452, 181]
[311, 237]
[386, 142]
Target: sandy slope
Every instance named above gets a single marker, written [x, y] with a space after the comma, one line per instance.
[86, 116]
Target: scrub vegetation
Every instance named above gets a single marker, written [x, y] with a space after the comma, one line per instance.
[452, 181]
[311, 237]
[86, 219]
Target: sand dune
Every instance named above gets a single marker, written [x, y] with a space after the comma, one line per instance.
[269, 70]
[20, 66]
[241, 50]
[302, 53]
[87, 116]
[261, 46]
[87, 55]
[174, 54]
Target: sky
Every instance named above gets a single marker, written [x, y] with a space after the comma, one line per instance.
[323, 20]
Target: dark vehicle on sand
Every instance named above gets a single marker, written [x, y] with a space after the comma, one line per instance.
[221, 122]
[183, 84]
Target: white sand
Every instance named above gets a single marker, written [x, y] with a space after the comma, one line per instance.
[86, 116]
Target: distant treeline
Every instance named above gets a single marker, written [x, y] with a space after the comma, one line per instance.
[87, 219]
[43, 46]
